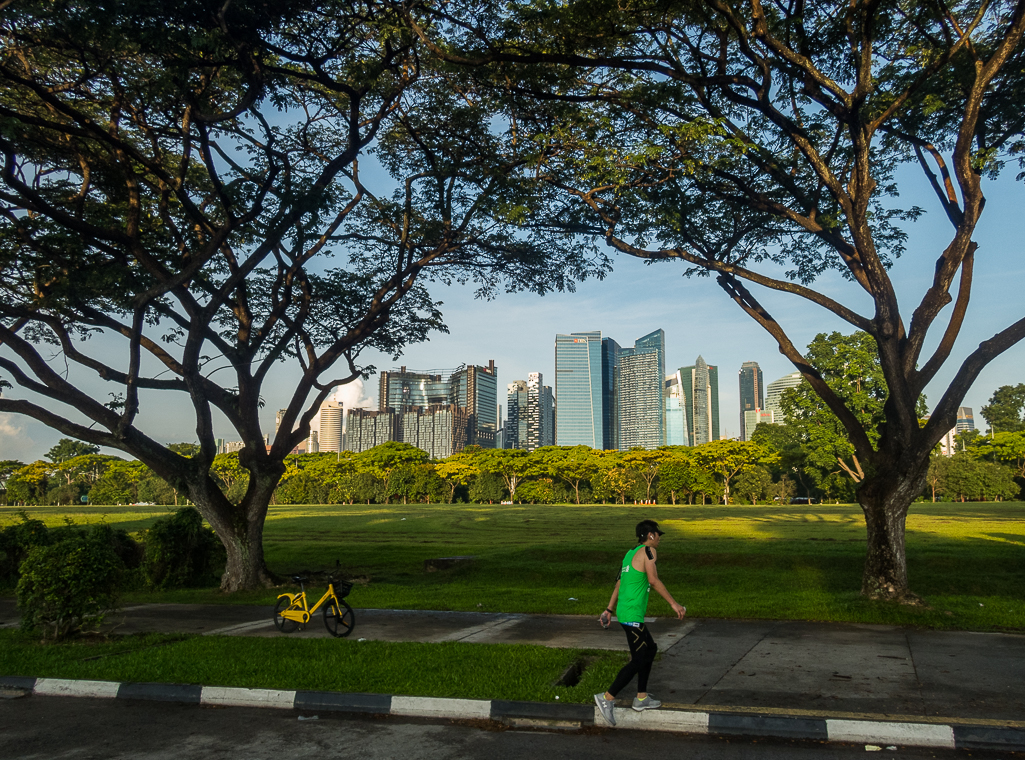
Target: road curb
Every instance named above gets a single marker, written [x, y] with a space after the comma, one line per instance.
[953, 735]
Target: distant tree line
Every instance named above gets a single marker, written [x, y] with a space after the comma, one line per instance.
[783, 462]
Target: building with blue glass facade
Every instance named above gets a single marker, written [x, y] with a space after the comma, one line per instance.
[640, 379]
[677, 432]
[579, 390]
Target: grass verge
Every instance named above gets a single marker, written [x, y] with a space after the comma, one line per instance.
[771, 562]
[469, 671]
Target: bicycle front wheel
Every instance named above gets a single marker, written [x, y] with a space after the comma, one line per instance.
[339, 618]
[285, 625]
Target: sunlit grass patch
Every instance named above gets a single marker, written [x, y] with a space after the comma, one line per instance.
[765, 561]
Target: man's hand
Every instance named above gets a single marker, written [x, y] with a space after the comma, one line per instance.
[605, 619]
[680, 610]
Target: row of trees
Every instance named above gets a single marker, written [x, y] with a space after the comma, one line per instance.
[401, 472]
[775, 467]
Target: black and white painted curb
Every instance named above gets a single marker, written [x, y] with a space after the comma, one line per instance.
[909, 734]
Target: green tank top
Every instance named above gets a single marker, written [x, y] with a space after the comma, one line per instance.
[633, 591]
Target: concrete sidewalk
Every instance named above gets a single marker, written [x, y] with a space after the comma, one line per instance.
[768, 666]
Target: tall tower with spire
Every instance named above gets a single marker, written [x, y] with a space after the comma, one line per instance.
[701, 389]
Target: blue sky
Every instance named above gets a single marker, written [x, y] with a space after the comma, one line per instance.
[518, 331]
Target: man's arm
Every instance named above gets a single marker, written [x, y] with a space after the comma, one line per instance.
[658, 585]
[606, 616]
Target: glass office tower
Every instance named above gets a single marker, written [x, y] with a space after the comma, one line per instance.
[675, 414]
[472, 388]
[579, 390]
[610, 352]
[639, 393]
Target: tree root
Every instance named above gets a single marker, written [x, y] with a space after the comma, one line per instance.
[880, 590]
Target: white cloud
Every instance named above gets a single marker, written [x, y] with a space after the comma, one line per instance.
[353, 396]
[14, 441]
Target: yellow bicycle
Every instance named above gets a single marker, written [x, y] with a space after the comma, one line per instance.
[292, 611]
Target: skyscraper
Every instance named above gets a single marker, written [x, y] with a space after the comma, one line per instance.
[540, 413]
[639, 386]
[700, 384]
[473, 388]
[579, 390]
[330, 438]
[365, 429]
[675, 412]
[516, 423]
[610, 352]
[439, 430]
[752, 395]
[774, 391]
[965, 420]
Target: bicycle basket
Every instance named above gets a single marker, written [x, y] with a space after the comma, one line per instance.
[343, 589]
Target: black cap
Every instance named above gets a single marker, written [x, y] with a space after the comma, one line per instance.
[644, 527]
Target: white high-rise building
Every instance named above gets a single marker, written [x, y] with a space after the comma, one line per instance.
[774, 392]
[530, 423]
[540, 413]
[330, 432]
[516, 421]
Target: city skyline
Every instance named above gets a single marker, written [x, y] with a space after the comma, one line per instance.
[715, 328]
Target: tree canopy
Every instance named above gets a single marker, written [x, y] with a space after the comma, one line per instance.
[760, 143]
[183, 206]
[1005, 411]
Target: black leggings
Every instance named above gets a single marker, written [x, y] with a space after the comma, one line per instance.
[642, 654]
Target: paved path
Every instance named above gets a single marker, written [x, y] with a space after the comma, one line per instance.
[764, 665]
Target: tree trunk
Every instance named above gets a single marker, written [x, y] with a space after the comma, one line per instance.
[885, 498]
[240, 529]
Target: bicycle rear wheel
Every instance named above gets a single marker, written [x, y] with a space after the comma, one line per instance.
[339, 618]
[285, 625]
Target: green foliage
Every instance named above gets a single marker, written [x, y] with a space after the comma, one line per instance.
[1008, 448]
[754, 484]
[964, 477]
[540, 491]
[184, 449]
[850, 366]
[1005, 409]
[68, 449]
[488, 488]
[28, 485]
[16, 541]
[70, 584]
[181, 551]
[728, 458]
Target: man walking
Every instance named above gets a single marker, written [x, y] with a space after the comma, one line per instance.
[630, 601]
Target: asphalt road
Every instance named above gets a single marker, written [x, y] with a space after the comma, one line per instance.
[38, 728]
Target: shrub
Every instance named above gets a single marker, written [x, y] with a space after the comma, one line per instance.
[15, 543]
[69, 585]
[180, 551]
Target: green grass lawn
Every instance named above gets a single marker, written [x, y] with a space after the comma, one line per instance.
[794, 562]
[469, 671]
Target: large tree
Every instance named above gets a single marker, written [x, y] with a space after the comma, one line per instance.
[1005, 409]
[175, 181]
[762, 143]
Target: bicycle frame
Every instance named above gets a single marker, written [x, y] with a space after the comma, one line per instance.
[306, 613]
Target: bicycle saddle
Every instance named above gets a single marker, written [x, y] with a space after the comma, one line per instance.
[298, 579]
